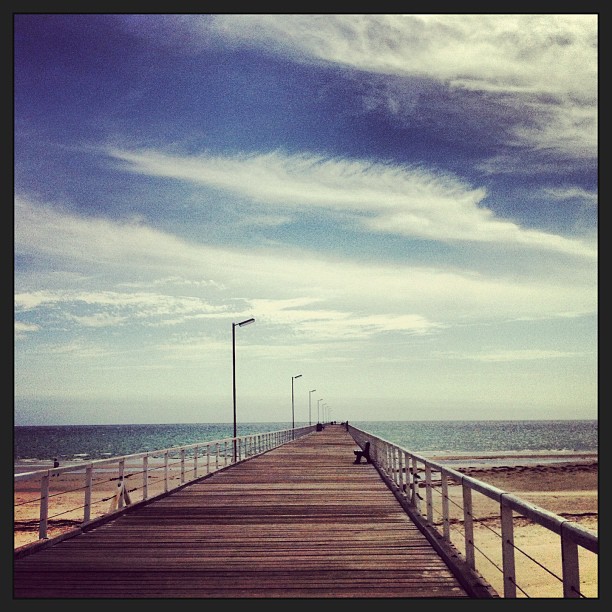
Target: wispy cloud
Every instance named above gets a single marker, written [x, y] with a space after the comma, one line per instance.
[571, 193]
[405, 201]
[511, 355]
[542, 65]
[312, 292]
[22, 329]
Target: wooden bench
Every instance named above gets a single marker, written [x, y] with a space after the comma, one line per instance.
[365, 453]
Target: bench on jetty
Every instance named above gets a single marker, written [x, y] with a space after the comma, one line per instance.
[365, 453]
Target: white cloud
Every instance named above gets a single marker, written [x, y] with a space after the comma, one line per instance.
[545, 65]
[326, 324]
[22, 329]
[389, 199]
[568, 193]
[511, 355]
[306, 289]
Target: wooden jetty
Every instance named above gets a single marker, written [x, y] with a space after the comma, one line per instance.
[299, 521]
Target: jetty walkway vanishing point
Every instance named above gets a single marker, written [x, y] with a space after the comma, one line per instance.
[285, 514]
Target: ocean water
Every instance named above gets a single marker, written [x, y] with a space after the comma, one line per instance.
[87, 442]
[487, 436]
[36, 445]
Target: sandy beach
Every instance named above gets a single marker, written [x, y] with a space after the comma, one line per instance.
[568, 488]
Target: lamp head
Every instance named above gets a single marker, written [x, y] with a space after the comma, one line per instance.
[245, 322]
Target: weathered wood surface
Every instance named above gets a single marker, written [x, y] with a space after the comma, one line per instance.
[299, 521]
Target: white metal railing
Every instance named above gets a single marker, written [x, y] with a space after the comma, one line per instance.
[408, 474]
[127, 480]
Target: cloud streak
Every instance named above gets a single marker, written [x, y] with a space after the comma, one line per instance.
[334, 291]
[405, 201]
[542, 64]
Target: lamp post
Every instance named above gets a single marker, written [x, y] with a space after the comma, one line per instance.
[318, 403]
[309, 398]
[292, 404]
[234, 325]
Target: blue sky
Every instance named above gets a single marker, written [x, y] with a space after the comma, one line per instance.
[406, 204]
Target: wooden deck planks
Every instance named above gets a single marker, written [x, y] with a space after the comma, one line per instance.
[300, 521]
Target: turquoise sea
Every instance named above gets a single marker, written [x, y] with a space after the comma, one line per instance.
[38, 445]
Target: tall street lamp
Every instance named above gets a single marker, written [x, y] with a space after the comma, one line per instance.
[292, 404]
[234, 325]
[309, 398]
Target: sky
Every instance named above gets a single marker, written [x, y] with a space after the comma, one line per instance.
[405, 204]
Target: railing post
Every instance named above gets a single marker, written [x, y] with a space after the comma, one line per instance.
[409, 479]
[468, 525]
[44, 506]
[415, 485]
[182, 465]
[217, 457]
[145, 477]
[569, 561]
[388, 460]
[208, 458]
[225, 452]
[398, 466]
[428, 493]
[445, 514]
[121, 481]
[196, 451]
[88, 484]
[405, 474]
[166, 471]
[507, 534]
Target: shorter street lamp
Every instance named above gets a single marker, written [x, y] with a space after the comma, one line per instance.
[318, 404]
[292, 404]
[309, 398]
